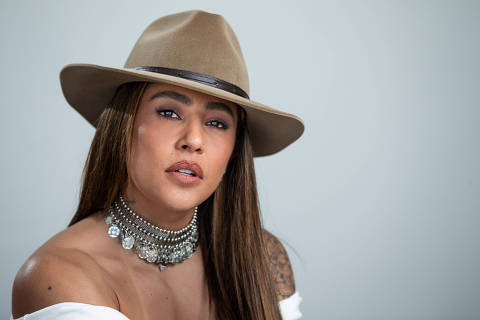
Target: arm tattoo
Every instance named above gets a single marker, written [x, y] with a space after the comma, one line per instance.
[280, 266]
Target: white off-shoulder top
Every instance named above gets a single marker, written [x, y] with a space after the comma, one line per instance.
[289, 308]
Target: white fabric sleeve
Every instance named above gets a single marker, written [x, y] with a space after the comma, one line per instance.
[289, 307]
[74, 311]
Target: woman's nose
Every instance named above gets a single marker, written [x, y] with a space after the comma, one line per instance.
[192, 138]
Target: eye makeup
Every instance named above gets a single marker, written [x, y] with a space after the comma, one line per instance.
[171, 114]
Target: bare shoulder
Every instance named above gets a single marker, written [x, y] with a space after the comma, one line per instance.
[280, 266]
[55, 274]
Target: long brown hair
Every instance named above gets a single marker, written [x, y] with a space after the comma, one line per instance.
[231, 234]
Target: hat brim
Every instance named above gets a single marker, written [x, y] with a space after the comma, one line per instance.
[88, 88]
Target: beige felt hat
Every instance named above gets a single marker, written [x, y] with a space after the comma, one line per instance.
[192, 49]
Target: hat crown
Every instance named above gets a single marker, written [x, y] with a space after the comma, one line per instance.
[193, 40]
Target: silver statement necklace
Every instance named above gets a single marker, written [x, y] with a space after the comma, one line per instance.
[152, 244]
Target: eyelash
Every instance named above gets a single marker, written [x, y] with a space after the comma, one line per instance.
[159, 111]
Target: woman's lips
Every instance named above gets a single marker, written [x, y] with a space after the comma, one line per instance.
[188, 165]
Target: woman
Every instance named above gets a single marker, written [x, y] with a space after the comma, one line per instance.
[168, 224]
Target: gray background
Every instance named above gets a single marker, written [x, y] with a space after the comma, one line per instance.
[378, 203]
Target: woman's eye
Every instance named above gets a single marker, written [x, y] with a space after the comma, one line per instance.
[167, 114]
[219, 124]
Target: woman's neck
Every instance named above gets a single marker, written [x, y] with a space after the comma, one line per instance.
[156, 213]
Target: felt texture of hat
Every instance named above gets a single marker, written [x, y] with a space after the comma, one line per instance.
[195, 41]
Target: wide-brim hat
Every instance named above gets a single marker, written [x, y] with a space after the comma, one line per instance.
[192, 49]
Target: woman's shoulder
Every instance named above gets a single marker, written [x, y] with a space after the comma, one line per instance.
[279, 265]
[62, 269]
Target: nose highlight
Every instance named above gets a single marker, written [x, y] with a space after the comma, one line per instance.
[192, 137]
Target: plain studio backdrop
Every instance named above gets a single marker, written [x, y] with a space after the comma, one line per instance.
[378, 203]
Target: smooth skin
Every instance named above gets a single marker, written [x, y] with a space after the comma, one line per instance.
[82, 264]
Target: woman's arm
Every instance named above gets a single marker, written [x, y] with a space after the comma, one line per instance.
[280, 266]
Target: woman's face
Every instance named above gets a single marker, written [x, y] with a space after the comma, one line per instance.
[174, 124]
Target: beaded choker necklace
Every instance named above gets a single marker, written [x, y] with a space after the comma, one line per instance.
[152, 244]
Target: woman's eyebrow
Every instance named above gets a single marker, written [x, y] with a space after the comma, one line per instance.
[220, 106]
[212, 105]
[173, 95]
